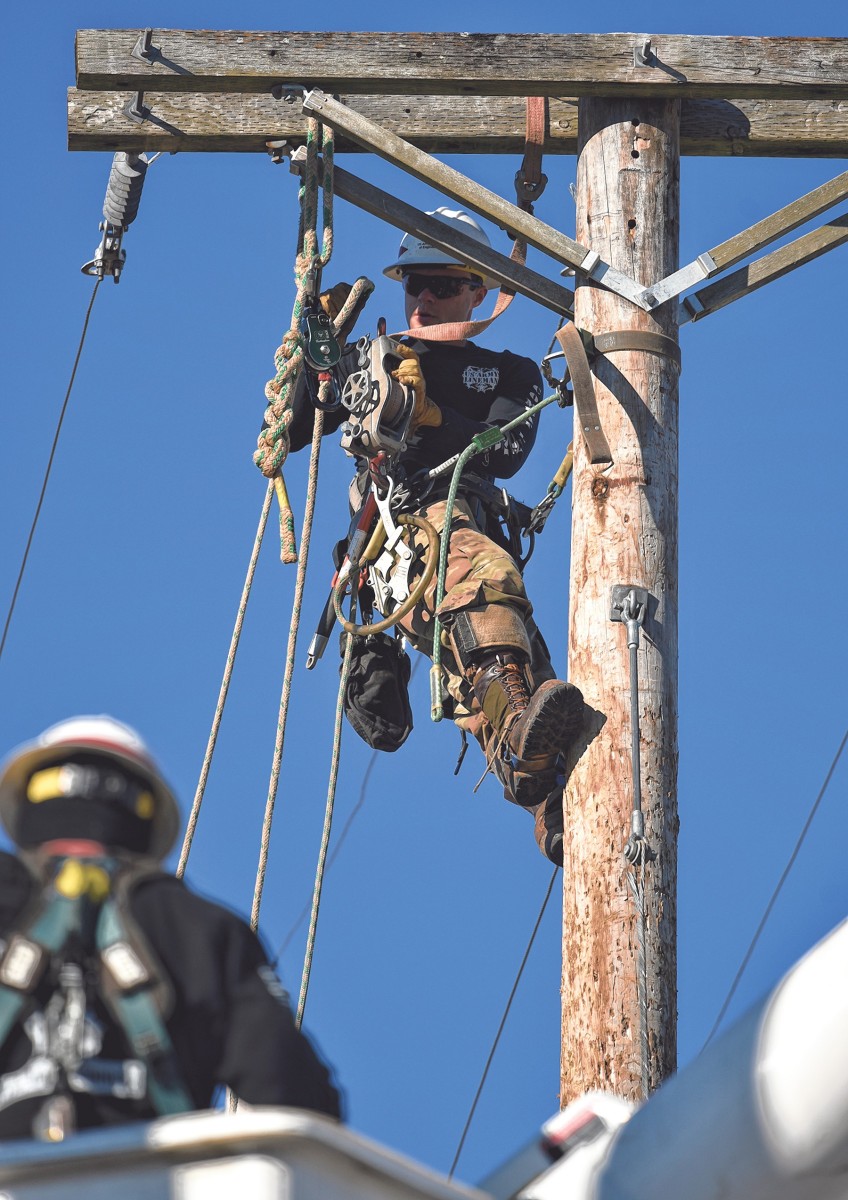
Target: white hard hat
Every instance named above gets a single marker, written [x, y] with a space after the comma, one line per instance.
[417, 253]
[100, 735]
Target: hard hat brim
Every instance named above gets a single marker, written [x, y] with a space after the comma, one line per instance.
[23, 763]
[421, 260]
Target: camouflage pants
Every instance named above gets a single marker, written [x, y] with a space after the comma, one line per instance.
[484, 583]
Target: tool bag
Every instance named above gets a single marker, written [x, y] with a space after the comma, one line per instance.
[376, 699]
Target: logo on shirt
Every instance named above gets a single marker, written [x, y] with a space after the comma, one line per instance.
[481, 379]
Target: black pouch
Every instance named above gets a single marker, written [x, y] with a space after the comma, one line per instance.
[376, 700]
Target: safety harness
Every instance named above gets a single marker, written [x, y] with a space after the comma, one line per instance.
[75, 940]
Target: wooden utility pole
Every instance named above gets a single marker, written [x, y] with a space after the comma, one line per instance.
[624, 532]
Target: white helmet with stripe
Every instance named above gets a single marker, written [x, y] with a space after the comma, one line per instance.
[416, 254]
[98, 735]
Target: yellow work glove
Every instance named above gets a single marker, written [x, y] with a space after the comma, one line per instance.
[410, 374]
[333, 301]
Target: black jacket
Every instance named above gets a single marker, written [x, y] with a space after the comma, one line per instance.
[475, 388]
[230, 1023]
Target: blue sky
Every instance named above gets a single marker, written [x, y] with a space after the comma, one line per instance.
[137, 565]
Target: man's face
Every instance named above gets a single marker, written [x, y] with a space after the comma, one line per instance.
[427, 309]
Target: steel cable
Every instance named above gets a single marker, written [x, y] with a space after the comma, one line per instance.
[784, 876]
[49, 468]
[493, 1050]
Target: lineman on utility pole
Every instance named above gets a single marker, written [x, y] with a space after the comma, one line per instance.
[496, 669]
[123, 995]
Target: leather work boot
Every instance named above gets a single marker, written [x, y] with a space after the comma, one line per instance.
[535, 726]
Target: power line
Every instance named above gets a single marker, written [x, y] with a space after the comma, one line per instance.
[776, 892]
[484, 1076]
[49, 466]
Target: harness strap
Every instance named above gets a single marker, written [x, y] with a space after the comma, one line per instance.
[27, 954]
[45, 930]
[138, 1015]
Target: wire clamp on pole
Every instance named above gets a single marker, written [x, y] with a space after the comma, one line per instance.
[629, 606]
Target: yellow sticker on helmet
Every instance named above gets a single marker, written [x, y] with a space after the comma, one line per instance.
[145, 806]
[45, 785]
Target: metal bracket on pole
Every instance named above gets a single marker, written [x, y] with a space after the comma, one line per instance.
[594, 267]
[288, 92]
[136, 109]
[643, 55]
[694, 272]
[144, 48]
[629, 606]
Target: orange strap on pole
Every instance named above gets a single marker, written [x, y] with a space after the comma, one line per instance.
[529, 185]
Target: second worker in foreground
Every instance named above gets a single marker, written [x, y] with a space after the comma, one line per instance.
[496, 667]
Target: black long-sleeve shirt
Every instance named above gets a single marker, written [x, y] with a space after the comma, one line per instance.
[230, 1023]
[475, 389]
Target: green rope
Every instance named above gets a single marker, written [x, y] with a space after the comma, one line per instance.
[482, 441]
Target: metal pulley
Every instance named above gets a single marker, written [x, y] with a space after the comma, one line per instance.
[380, 407]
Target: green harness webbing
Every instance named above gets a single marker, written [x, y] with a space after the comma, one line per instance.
[46, 933]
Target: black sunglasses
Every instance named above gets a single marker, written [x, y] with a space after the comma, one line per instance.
[442, 286]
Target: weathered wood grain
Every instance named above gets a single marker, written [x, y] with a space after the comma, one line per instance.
[214, 121]
[484, 64]
[624, 531]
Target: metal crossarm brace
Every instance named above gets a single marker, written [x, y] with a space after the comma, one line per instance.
[411, 220]
[459, 187]
[764, 270]
[729, 253]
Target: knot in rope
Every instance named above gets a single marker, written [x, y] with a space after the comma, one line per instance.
[273, 442]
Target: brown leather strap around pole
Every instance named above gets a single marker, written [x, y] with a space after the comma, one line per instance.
[637, 339]
[585, 405]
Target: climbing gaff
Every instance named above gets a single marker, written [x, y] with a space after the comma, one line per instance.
[120, 208]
